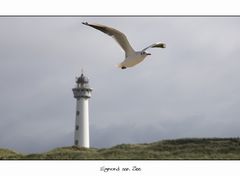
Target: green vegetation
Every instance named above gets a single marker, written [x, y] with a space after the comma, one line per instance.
[180, 149]
[8, 154]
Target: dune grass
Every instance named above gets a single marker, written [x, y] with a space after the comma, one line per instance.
[179, 149]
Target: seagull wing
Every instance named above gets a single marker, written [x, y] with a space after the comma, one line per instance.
[117, 35]
[156, 45]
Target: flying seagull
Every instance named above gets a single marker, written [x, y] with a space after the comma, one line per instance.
[132, 57]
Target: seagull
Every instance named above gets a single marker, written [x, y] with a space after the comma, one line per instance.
[132, 57]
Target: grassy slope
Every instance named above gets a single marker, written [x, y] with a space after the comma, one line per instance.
[8, 154]
[214, 148]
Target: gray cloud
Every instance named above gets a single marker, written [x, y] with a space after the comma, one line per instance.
[189, 89]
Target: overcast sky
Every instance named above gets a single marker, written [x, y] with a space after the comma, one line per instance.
[189, 89]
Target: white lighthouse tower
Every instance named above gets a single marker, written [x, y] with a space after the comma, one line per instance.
[82, 92]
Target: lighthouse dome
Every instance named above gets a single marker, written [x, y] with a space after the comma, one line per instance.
[82, 80]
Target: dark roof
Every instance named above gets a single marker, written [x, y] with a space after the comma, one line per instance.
[82, 80]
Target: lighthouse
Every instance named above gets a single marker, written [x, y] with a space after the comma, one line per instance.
[82, 93]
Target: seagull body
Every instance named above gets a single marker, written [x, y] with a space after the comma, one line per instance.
[132, 57]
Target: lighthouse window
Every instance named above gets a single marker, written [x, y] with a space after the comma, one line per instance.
[78, 113]
[77, 127]
[76, 142]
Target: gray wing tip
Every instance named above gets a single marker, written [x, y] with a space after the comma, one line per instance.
[163, 45]
[160, 45]
[85, 23]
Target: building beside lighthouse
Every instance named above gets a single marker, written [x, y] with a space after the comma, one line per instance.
[82, 93]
